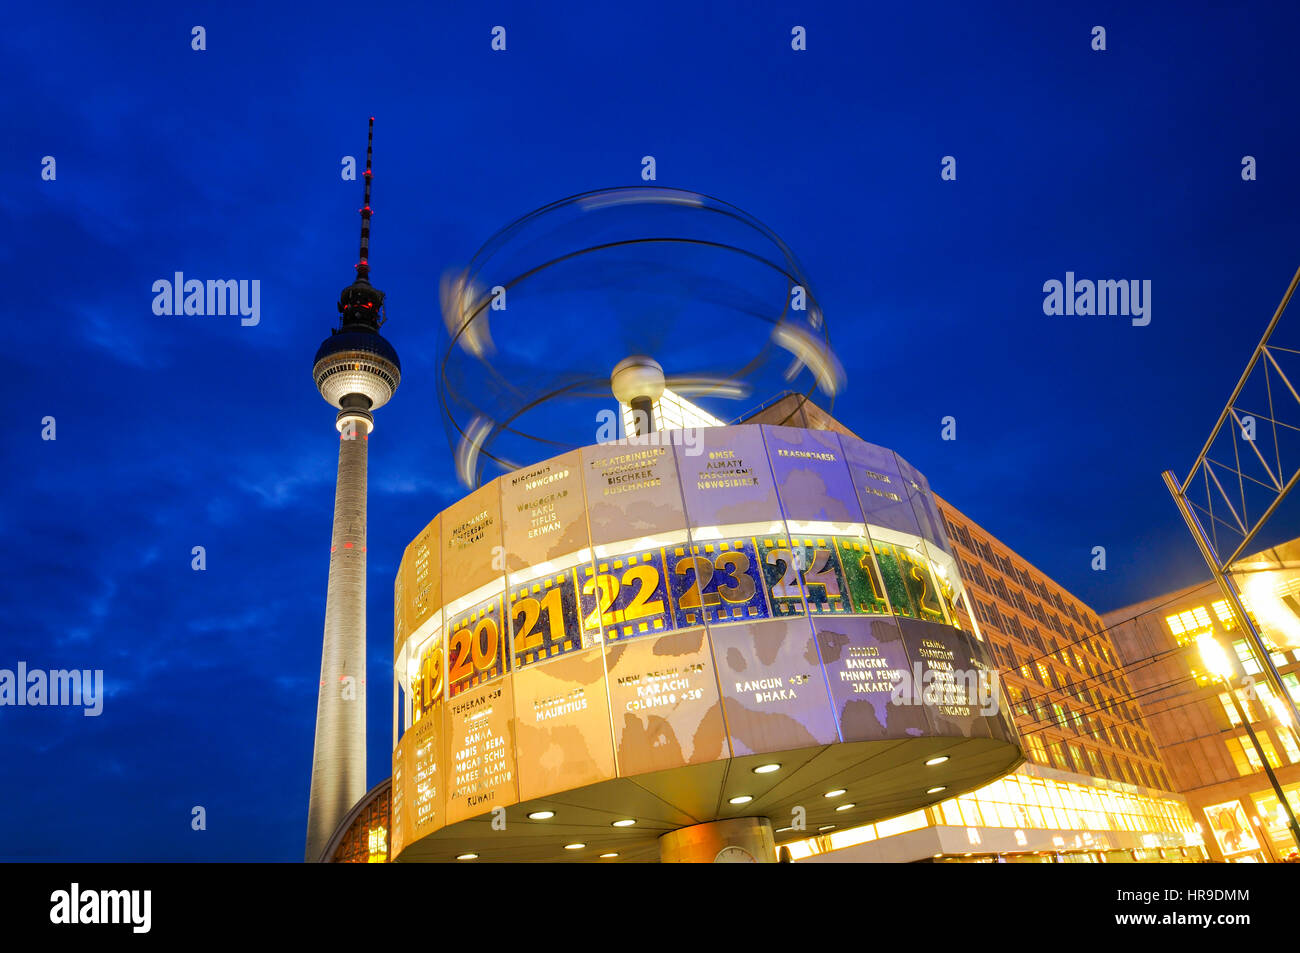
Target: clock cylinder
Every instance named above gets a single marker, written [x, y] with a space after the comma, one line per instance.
[735, 840]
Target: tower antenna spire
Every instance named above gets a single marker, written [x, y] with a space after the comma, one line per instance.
[363, 265]
[360, 303]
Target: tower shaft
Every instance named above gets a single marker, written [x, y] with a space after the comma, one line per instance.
[338, 771]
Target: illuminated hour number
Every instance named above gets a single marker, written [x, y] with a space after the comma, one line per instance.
[628, 604]
[642, 605]
[861, 578]
[822, 576]
[918, 586]
[429, 685]
[461, 664]
[718, 586]
[823, 573]
[892, 572]
[695, 596]
[741, 586]
[868, 566]
[780, 565]
[788, 587]
[949, 595]
[605, 588]
[474, 653]
[486, 643]
[530, 610]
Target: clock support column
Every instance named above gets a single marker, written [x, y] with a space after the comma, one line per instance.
[735, 839]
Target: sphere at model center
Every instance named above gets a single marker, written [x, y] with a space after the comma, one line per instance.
[637, 376]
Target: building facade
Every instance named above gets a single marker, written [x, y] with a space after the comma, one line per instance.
[1196, 726]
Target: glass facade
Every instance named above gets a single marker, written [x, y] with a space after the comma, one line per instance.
[1074, 811]
[672, 412]
[365, 839]
[1275, 819]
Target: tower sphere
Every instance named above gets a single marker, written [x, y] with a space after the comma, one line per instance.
[359, 362]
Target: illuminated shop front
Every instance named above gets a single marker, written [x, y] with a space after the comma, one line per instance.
[1035, 814]
[723, 620]
[1274, 820]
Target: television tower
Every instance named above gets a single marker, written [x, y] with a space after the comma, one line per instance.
[357, 371]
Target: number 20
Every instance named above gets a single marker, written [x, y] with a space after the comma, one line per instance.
[474, 652]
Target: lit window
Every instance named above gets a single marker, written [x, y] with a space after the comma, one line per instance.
[1224, 613]
[378, 844]
[1058, 756]
[1288, 742]
[1244, 756]
[951, 813]
[856, 835]
[902, 824]
[1292, 683]
[1247, 657]
[1036, 750]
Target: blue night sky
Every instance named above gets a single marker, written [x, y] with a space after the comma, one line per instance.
[179, 431]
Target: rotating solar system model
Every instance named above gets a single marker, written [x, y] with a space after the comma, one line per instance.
[646, 634]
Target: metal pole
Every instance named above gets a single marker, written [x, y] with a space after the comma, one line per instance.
[1263, 757]
[1229, 590]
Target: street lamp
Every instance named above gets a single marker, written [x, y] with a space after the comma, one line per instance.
[1216, 661]
[1214, 657]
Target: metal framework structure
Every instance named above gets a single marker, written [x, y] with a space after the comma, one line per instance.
[473, 427]
[1235, 487]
